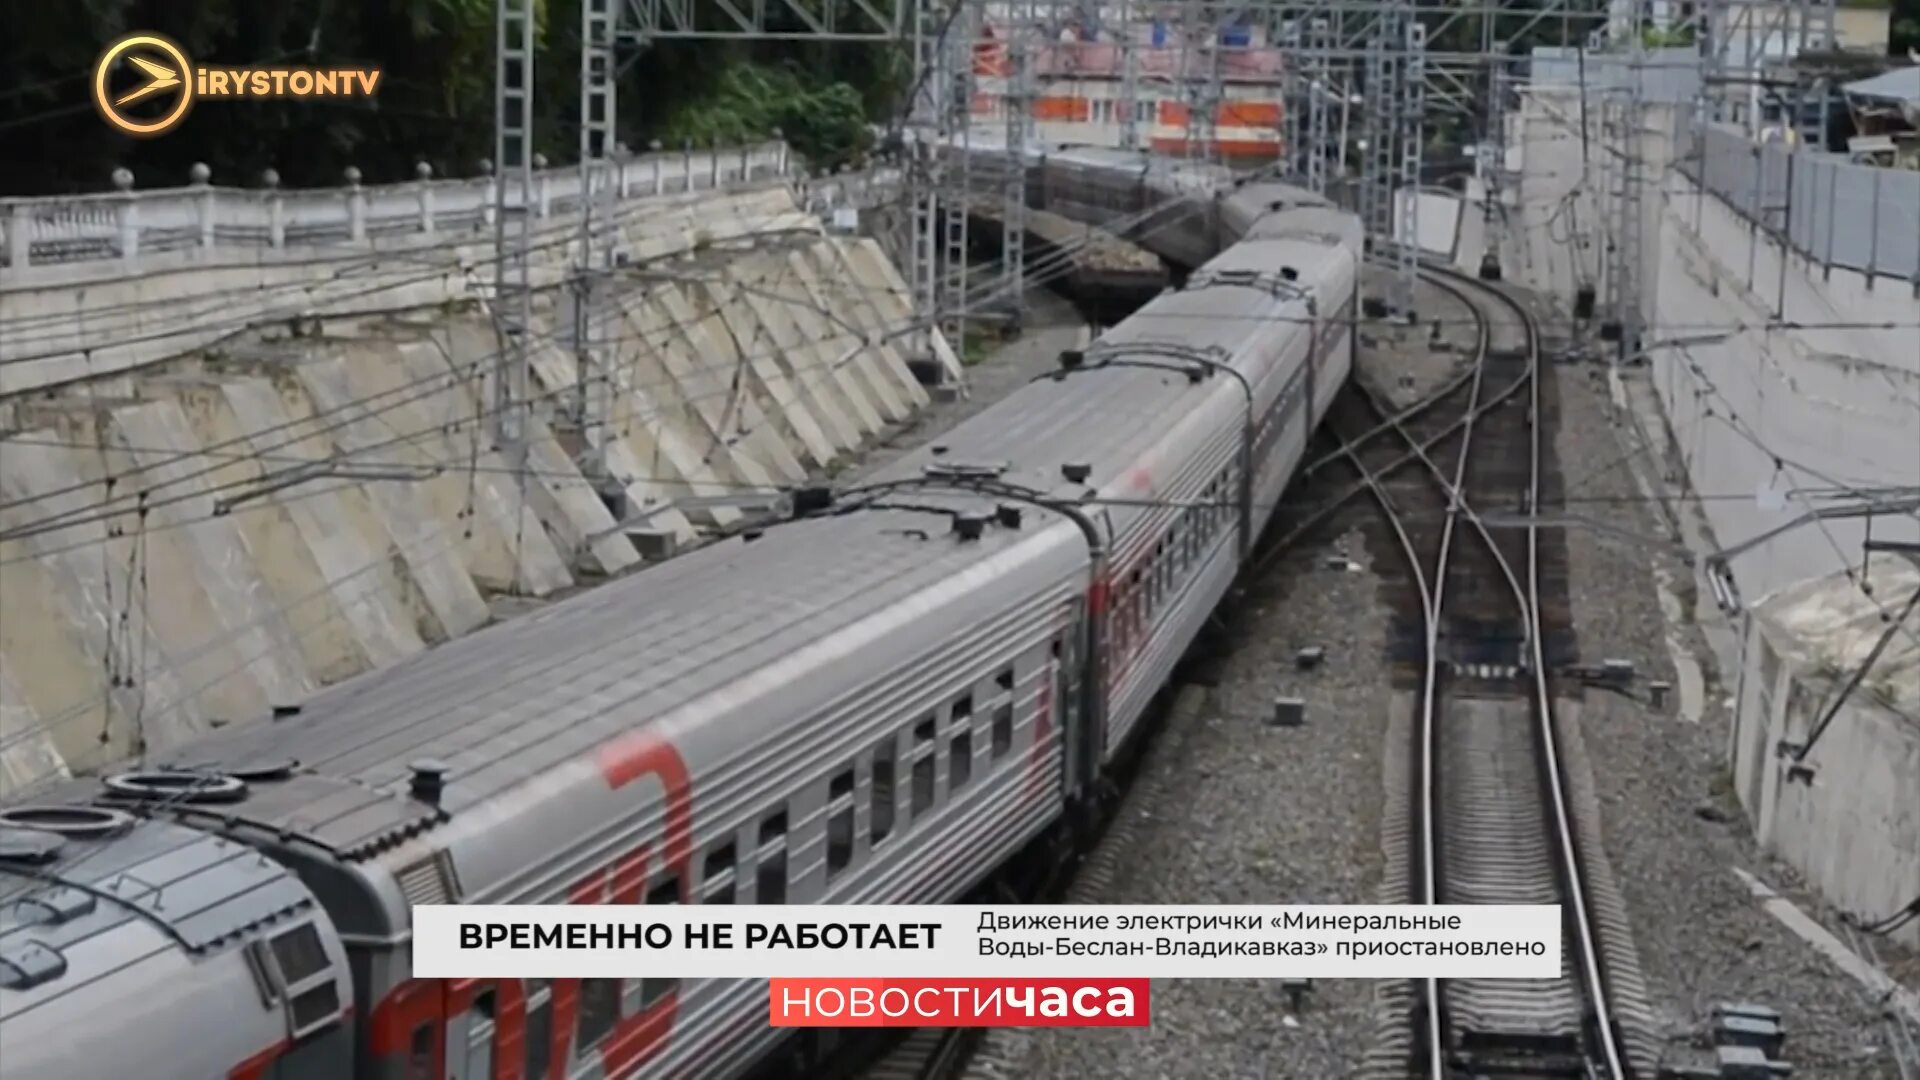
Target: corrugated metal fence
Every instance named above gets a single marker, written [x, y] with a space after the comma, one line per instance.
[1823, 206]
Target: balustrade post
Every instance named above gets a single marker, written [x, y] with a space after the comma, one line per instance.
[276, 209]
[356, 205]
[127, 215]
[686, 164]
[659, 174]
[542, 194]
[714, 165]
[423, 190]
[19, 240]
[198, 178]
[621, 155]
[487, 208]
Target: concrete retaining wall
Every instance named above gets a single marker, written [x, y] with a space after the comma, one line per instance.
[190, 542]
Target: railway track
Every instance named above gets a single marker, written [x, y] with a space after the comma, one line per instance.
[1495, 806]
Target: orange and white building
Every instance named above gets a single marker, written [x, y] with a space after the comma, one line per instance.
[1079, 90]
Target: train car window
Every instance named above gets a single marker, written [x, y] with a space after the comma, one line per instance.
[420, 1054]
[599, 1012]
[299, 954]
[716, 875]
[922, 768]
[770, 866]
[963, 709]
[539, 1029]
[314, 1006]
[1054, 647]
[665, 891]
[1002, 731]
[839, 823]
[881, 800]
[961, 768]
[1004, 680]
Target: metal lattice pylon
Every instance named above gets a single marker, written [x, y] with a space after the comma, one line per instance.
[513, 221]
[1412, 123]
[598, 110]
[925, 172]
[1319, 118]
[1013, 191]
[1383, 85]
[956, 128]
[1624, 267]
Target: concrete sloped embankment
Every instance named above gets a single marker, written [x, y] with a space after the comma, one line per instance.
[199, 540]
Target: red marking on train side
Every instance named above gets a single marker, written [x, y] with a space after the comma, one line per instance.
[1140, 478]
[255, 1067]
[635, 1040]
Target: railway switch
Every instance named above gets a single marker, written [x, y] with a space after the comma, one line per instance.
[1309, 658]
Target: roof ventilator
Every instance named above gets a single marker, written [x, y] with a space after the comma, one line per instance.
[78, 822]
[811, 500]
[1076, 472]
[1008, 515]
[429, 781]
[27, 964]
[177, 787]
[969, 526]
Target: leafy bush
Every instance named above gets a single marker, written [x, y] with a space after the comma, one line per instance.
[825, 123]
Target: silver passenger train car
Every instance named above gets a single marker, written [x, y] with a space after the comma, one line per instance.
[881, 701]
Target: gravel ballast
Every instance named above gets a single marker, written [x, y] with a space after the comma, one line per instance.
[1672, 829]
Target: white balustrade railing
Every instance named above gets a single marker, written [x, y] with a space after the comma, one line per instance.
[120, 226]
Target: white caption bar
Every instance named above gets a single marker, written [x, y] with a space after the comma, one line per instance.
[954, 941]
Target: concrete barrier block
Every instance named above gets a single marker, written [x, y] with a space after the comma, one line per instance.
[170, 459]
[94, 598]
[687, 399]
[884, 317]
[351, 551]
[895, 295]
[745, 338]
[430, 551]
[834, 347]
[558, 499]
[823, 280]
[737, 418]
[299, 591]
[580, 521]
[776, 299]
[646, 481]
[476, 485]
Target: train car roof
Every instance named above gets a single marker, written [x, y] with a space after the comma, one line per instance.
[71, 876]
[510, 702]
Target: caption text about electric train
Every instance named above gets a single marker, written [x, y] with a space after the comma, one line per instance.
[964, 965]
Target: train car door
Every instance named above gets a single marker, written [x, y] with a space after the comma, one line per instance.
[470, 1039]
